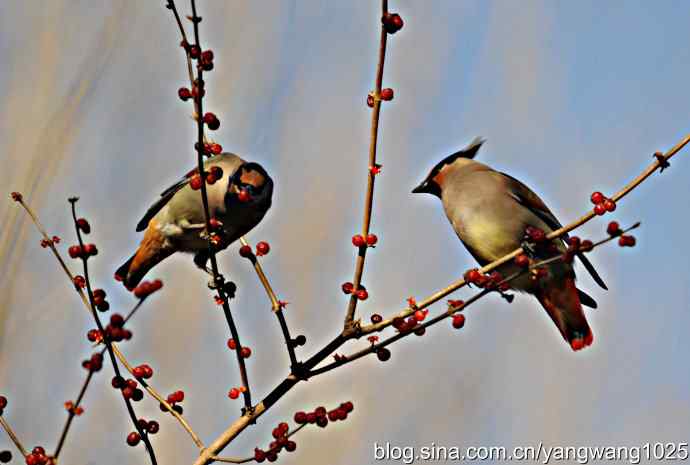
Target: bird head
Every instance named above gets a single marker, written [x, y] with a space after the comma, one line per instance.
[433, 183]
[250, 184]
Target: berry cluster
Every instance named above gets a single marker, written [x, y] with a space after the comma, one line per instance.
[70, 407]
[213, 175]
[576, 245]
[360, 241]
[403, 325]
[614, 230]
[142, 372]
[148, 427]
[174, 399]
[38, 457]
[99, 301]
[77, 251]
[245, 352]
[235, 392]
[93, 364]
[361, 293]
[48, 242]
[114, 330]
[130, 388]
[491, 281]
[280, 434]
[602, 204]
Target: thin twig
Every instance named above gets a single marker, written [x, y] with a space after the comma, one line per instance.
[13, 436]
[217, 458]
[71, 414]
[373, 348]
[369, 198]
[218, 280]
[106, 339]
[89, 309]
[275, 305]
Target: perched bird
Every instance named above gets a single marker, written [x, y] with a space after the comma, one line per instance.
[490, 212]
[238, 200]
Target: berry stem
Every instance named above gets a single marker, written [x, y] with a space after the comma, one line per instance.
[217, 278]
[71, 414]
[371, 177]
[13, 436]
[275, 306]
[106, 339]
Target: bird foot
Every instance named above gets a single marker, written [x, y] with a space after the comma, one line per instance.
[530, 248]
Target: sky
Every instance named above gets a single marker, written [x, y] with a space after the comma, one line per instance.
[572, 97]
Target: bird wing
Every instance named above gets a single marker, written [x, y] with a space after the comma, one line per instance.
[524, 195]
[166, 195]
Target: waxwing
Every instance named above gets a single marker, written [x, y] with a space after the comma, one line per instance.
[490, 212]
[239, 199]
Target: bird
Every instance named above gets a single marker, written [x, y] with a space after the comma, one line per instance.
[490, 212]
[238, 199]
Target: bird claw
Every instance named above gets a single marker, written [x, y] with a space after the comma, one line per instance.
[508, 297]
[530, 248]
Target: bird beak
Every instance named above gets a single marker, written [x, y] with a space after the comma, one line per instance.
[422, 188]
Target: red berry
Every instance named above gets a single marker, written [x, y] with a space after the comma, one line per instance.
[458, 320]
[207, 56]
[613, 229]
[16, 196]
[184, 93]
[522, 260]
[419, 315]
[93, 335]
[117, 320]
[376, 318]
[290, 446]
[586, 245]
[347, 406]
[211, 121]
[216, 172]
[626, 241]
[322, 421]
[358, 240]
[74, 251]
[262, 248]
[246, 352]
[597, 198]
[33, 459]
[370, 101]
[195, 182]
[194, 51]
[90, 249]
[362, 294]
[133, 438]
[372, 240]
[473, 276]
[234, 393]
[117, 382]
[609, 205]
[387, 94]
[84, 225]
[246, 251]
[599, 209]
[348, 288]
[3, 402]
[152, 427]
[392, 23]
[259, 455]
[210, 178]
[300, 418]
[383, 354]
[243, 196]
[232, 345]
[215, 149]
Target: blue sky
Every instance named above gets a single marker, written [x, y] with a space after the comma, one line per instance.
[572, 97]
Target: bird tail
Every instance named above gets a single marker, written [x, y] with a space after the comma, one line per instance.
[151, 251]
[562, 303]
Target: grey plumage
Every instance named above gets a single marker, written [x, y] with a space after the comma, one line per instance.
[489, 212]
